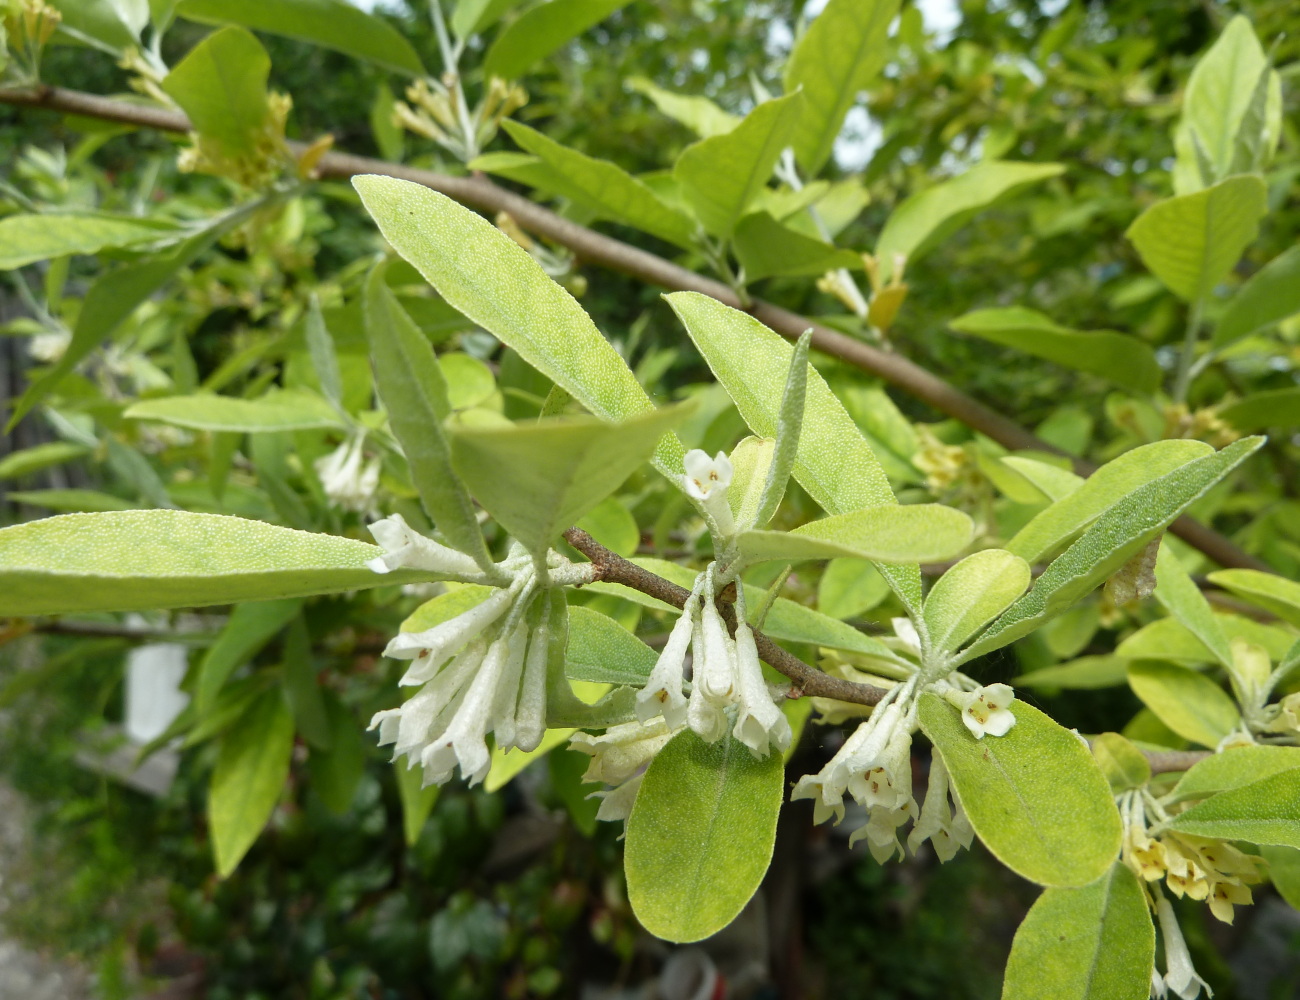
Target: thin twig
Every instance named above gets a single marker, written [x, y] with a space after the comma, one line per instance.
[808, 681]
[594, 248]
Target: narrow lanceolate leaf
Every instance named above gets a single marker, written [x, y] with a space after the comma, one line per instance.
[1102, 490]
[1271, 592]
[603, 651]
[1182, 598]
[1189, 703]
[18, 464]
[1035, 796]
[286, 410]
[971, 594]
[1096, 942]
[834, 462]
[250, 628]
[1191, 242]
[837, 57]
[698, 114]
[488, 277]
[28, 238]
[1264, 812]
[331, 24]
[1261, 410]
[913, 533]
[139, 559]
[1270, 296]
[927, 218]
[1051, 481]
[721, 176]
[221, 86]
[765, 247]
[605, 188]
[542, 30]
[417, 800]
[324, 359]
[538, 479]
[414, 393]
[251, 769]
[789, 426]
[700, 835]
[1117, 357]
[1113, 539]
[1233, 768]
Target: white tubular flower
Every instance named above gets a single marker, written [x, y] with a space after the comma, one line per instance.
[907, 635]
[622, 751]
[347, 478]
[1180, 976]
[861, 752]
[886, 791]
[506, 701]
[662, 694]
[465, 740]
[616, 803]
[715, 672]
[947, 831]
[409, 726]
[760, 724]
[706, 480]
[984, 710]
[404, 547]
[530, 714]
[433, 647]
[1158, 990]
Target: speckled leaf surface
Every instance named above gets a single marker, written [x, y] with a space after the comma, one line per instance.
[892, 534]
[971, 594]
[1264, 812]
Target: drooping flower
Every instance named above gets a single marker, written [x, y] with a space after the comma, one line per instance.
[759, 722]
[1180, 976]
[886, 791]
[948, 830]
[706, 480]
[863, 751]
[619, 757]
[984, 710]
[662, 694]
[406, 548]
[347, 478]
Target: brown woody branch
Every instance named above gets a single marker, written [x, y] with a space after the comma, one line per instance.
[808, 681]
[594, 248]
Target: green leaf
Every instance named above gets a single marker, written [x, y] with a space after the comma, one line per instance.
[1221, 90]
[848, 587]
[28, 238]
[1263, 812]
[1273, 408]
[1050, 481]
[1284, 872]
[336, 770]
[789, 427]
[764, 248]
[698, 114]
[893, 534]
[252, 765]
[1233, 768]
[1125, 766]
[700, 835]
[612, 524]
[1271, 592]
[1096, 942]
[324, 359]
[1270, 296]
[413, 391]
[971, 594]
[604, 652]
[1085, 673]
[538, 479]
[70, 501]
[279, 410]
[250, 628]
[1100, 492]
[473, 16]
[18, 464]
[417, 801]
[302, 689]
[98, 22]
[605, 188]
[542, 30]
[1114, 538]
[507, 765]
[1121, 359]
[488, 277]
[330, 24]
[1192, 241]
[1182, 598]
[140, 559]
[1169, 639]
[469, 381]
[928, 217]
[835, 59]
[1191, 705]
[221, 86]
[721, 176]
[1035, 796]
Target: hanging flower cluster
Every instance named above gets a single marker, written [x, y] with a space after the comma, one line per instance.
[482, 671]
[347, 478]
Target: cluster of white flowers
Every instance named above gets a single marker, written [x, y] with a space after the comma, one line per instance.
[347, 478]
[619, 757]
[483, 671]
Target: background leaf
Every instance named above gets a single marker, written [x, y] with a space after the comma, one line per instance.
[542, 30]
[1193, 706]
[221, 86]
[1265, 812]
